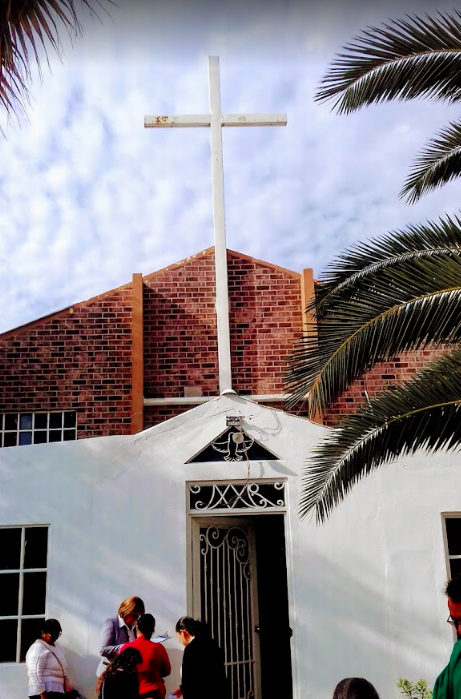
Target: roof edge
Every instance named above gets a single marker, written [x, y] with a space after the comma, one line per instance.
[263, 263]
[67, 310]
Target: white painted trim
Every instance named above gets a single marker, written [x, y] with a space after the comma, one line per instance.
[169, 121]
[198, 400]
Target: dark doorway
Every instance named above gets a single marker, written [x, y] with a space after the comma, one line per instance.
[274, 628]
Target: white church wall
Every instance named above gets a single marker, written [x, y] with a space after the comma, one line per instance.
[365, 588]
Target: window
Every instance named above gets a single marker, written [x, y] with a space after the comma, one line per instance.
[453, 538]
[37, 428]
[23, 566]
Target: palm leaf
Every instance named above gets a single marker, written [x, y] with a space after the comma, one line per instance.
[384, 257]
[407, 301]
[407, 58]
[438, 164]
[424, 413]
[24, 26]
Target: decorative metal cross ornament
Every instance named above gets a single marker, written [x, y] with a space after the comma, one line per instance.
[215, 120]
[235, 446]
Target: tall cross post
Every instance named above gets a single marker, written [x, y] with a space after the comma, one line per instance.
[215, 120]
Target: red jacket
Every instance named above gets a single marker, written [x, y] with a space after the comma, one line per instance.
[154, 667]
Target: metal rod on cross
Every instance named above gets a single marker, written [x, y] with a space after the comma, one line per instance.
[216, 120]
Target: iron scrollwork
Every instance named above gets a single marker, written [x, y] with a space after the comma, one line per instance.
[232, 496]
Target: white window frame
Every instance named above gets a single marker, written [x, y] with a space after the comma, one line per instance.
[21, 570]
[33, 429]
[449, 557]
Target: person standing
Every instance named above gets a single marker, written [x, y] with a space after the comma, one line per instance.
[448, 683]
[155, 664]
[46, 665]
[203, 673]
[118, 630]
[120, 679]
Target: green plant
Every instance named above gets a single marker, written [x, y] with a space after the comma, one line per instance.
[416, 690]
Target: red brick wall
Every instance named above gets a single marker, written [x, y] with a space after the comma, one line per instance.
[374, 382]
[180, 347]
[78, 360]
[180, 329]
[265, 318]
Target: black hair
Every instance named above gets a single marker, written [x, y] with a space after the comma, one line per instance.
[51, 626]
[355, 688]
[453, 589]
[146, 624]
[195, 627]
[126, 661]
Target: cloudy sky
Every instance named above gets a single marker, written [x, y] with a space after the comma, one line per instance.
[88, 196]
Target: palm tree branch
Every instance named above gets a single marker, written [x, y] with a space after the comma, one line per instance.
[365, 262]
[325, 368]
[438, 164]
[404, 59]
[422, 413]
[23, 25]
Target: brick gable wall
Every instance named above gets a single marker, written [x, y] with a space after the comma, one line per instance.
[81, 358]
[68, 362]
[180, 344]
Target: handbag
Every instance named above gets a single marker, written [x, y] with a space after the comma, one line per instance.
[72, 693]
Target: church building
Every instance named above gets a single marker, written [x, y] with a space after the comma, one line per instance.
[146, 450]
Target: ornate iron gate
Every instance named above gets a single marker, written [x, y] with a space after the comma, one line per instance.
[226, 600]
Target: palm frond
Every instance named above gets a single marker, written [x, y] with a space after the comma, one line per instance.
[424, 413]
[386, 256]
[373, 328]
[407, 58]
[25, 25]
[438, 164]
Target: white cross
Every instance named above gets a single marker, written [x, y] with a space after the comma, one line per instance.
[215, 120]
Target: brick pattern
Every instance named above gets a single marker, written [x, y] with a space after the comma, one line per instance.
[180, 343]
[378, 379]
[265, 319]
[78, 359]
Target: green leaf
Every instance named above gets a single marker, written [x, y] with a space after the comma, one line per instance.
[423, 413]
[438, 164]
[401, 298]
[405, 59]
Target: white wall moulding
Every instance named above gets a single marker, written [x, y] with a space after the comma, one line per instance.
[198, 400]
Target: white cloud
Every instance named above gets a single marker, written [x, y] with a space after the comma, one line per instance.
[88, 196]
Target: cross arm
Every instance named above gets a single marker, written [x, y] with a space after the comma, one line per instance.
[158, 121]
[253, 119]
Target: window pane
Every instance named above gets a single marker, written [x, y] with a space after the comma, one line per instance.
[25, 438]
[10, 546]
[70, 419]
[9, 598]
[34, 593]
[11, 421]
[10, 439]
[69, 435]
[55, 435]
[36, 547]
[31, 629]
[8, 638]
[55, 420]
[455, 567]
[41, 421]
[454, 535]
[25, 422]
[40, 437]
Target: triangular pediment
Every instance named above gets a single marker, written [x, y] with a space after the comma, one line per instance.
[233, 445]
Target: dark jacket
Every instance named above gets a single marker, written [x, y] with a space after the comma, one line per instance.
[203, 674]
